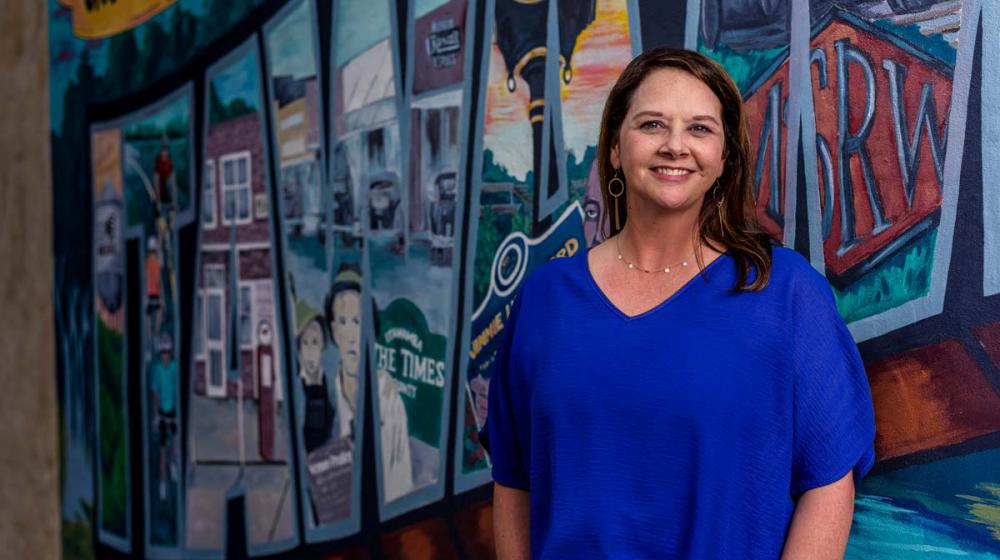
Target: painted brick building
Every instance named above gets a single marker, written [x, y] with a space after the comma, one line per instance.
[236, 208]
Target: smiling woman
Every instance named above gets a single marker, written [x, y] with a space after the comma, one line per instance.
[671, 146]
[675, 430]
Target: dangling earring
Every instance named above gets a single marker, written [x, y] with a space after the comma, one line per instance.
[616, 195]
[719, 206]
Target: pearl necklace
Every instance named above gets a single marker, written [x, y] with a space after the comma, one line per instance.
[631, 264]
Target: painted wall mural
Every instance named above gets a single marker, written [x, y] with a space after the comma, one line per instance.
[288, 235]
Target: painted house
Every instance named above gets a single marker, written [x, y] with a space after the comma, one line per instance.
[236, 207]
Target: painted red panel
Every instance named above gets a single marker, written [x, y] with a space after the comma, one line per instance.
[426, 540]
[881, 143]
[930, 397]
[989, 338]
[474, 525]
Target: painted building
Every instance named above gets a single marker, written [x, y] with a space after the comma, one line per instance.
[235, 206]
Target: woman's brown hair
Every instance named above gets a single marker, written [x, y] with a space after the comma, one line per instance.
[738, 229]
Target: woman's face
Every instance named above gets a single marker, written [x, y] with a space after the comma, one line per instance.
[310, 351]
[346, 329]
[671, 146]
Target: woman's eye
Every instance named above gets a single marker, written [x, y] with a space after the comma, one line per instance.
[650, 125]
[701, 129]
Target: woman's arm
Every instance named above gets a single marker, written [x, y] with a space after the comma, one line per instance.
[510, 523]
[821, 522]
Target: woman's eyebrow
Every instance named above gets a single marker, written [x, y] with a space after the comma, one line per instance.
[647, 114]
[641, 114]
[705, 118]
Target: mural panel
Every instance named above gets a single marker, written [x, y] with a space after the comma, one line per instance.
[418, 296]
[108, 254]
[238, 443]
[292, 53]
[156, 157]
[882, 99]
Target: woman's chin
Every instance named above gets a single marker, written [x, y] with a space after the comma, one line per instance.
[674, 205]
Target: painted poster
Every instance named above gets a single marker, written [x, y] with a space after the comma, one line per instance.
[156, 153]
[238, 411]
[321, 420]
[108, 254]
[882, 84]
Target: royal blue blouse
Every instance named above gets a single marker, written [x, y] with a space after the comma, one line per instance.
[687, 431]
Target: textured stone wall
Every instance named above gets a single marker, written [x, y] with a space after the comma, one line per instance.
[29, 516]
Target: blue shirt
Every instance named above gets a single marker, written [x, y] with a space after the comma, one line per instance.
[687, 431]
[165, 384]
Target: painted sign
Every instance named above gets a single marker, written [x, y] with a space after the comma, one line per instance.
[93, 19]
[880, 149]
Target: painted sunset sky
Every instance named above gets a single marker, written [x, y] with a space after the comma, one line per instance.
[602, 50]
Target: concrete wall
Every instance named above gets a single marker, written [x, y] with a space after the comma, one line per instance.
[29, 517]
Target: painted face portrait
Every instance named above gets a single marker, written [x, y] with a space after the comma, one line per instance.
[310, 352]
[346, 329]
[591, 205]
[379, 200]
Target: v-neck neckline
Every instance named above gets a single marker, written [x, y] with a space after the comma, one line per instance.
[667, 301]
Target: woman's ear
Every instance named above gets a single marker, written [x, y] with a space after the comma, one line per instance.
[616, 161]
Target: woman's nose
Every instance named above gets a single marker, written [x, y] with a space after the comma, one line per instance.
[673, 144]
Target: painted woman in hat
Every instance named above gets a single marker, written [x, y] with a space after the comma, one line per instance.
[317, 423]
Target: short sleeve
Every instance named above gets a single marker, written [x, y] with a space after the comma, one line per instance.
[833, 419]
[500, 436]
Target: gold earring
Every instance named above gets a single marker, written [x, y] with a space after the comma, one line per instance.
[719, 206]
[616, 195]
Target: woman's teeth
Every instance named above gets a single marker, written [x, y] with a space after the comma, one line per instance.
[670, 171]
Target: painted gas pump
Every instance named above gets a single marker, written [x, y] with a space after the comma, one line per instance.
[265, 390]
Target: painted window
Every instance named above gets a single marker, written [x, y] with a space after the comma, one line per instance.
[208, 211]
[236, 188]
[246, 316]
[214, 327]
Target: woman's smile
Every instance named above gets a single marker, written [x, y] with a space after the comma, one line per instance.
[671, 174]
